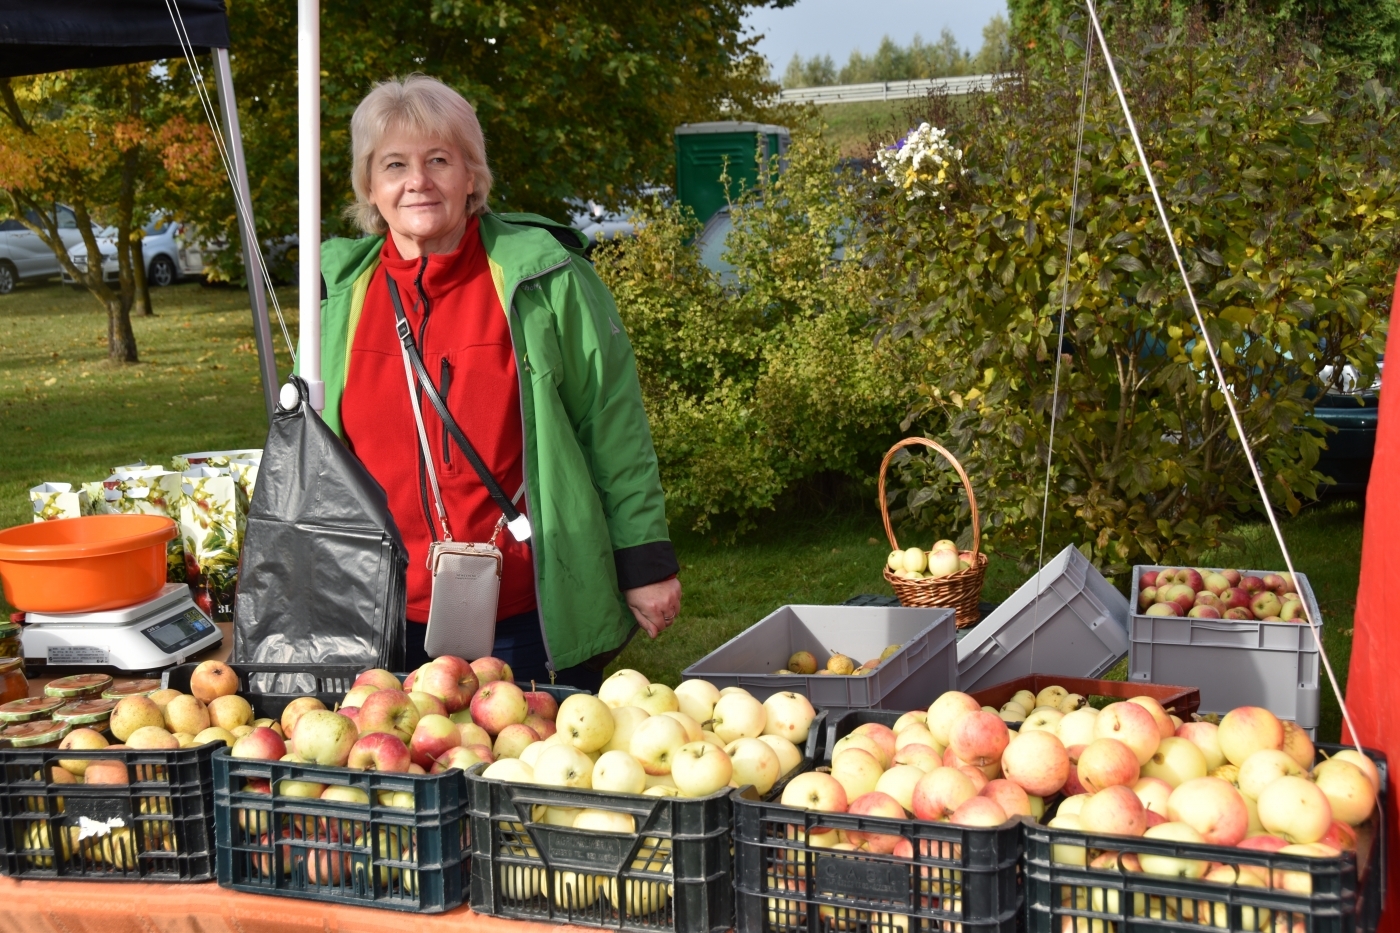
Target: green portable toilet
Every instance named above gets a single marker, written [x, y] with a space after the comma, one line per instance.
[702, 151]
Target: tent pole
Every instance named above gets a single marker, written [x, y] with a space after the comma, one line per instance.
[309, 196]
[252, 258]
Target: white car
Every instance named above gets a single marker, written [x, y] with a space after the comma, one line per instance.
[24, 256]
[169, 255]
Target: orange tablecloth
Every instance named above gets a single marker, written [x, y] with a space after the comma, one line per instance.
[98, 907]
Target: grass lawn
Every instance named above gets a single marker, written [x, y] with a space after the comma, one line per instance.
[850, 126]
[67, 415]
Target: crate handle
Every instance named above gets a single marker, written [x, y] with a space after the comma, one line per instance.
[962, 474]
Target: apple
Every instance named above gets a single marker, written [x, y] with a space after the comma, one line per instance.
[461, 757]
[697, 698]
[1073, 785]
[618, 772]
[917, 734]
[1167, 866]
[662, 780]
[1251, 584]
[1299, 882]
[586, 722]
[865, 743]
[899, 782]
[1263, 768]
[979, 738]
[491, 670]
[700, 769]
[213, 679]
[1146, 597]
[80, 740]
[189, 714]
[262, 743]
[693, 732]
[1114, 810]
[429, 705]
[1203, 736]
[151, 737]
[813, 790]
[656, 699]
[1339, 836]
[564, 766]
[975, 775]
[1216, 583]
[135, 712]
[501, 703]
[1132, 725]
[1236, 598]
[389, 711]
[990, 772]
[789, 755]
[739, 716]
[1107, 763]
[876, 804]
[790, 715]
[472, 734]
[655, 742]
[1008, 795]
[325, 738]
[1063, 854]
[947, 710]
[910, 718]
[621, 686]
[1037, 762]
[1297, 745]
[625, 721]
[919, 756]
[1154, 793]
[432, 737]
[1077, 727]
[940, 792]
[1293, 611]
[1204, 612]
[1212, 807]
[542, 704]
[531, 753]
[1367, 766]
[756, 763]
[1265, 604]
[1163, 609]
[309, 789]
[1176, 761]
[804, 662]
[379, 751]
[226, 712]
[1348, 790]
[1247, 729]
[857, 770]
[379, 678]
[1165, 726]
[513, 740]
[1148, 578]
[106, 771]
[1180, 593]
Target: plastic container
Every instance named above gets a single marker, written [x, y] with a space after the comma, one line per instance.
[924, 666]
[1233, 663]
[158, 827]
[84, 564]
[954, 878]
[411, 857]
[1346, 892]
[1177, 700]
[671, 872]
[1079, 627]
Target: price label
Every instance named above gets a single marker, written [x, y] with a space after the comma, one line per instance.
[77, 654]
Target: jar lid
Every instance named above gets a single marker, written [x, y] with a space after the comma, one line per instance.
[29, 708]
[9, 664]
[8, 629]
[36, 733]
[85, 712]
[78, 685]
[131, 688]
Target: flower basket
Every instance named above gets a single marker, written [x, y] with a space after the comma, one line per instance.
[961, 591]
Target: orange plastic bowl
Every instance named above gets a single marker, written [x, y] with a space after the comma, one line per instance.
[84, 564]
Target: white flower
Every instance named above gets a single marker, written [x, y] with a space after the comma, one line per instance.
[921, 162]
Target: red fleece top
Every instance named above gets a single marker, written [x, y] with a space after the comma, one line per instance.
[464, 339]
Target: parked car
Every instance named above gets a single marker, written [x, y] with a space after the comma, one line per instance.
[170, 254]
[24, 256]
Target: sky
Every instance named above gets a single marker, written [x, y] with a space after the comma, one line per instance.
[835, 27]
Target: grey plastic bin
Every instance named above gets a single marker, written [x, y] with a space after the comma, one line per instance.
[1082, 630]
[912, 678]
[1232, 662]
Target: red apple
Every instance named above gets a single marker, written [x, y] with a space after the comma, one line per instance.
[446, 679]
[1132, 725]
[262, 743]
[1232, 576]
[1148, 578]
[1207, 598]
[1008, 795]
[1212, 807]
[1236, 597]
[920, 756]
[1114, 810]
[1192, 578]
[544, 727]
[1037, 762]
[1239, 614]
[499, 704]
[978, 811]
[940, 792]
[428, 704]
[882, 735]
[1262, 843]
[979, 738]
[1166, 577]
[1147, 596]
[379, 678]
[1204, 612]
[462, 758]
[1251, 584]
[1073, 785]
[1216, 583]
[1273, 582]
[1265, 604]
[513, 740]
[380, 751]
[432, 737]
[390, 711]
[490, 670]
[542, 704]
[875, 803]
[1108, 762]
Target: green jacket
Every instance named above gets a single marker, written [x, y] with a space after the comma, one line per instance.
[593, 490]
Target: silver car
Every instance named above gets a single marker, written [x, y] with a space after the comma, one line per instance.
[170, 255]
[24, 256]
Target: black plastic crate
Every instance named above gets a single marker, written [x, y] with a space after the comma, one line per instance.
[954, 878]
[1347, 891]
[270, 687]
[673, 870]
[413, 858]
[158, 827]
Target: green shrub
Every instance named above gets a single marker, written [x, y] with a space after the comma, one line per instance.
[1277, 163]
[758, 384]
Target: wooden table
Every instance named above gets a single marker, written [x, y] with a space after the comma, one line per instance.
[98, 907]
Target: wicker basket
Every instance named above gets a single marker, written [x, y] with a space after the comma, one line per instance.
[961, 591]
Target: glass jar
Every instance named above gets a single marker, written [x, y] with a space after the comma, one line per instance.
[10, 646]
[42, 733]
[130, 688]
[13, 685]
[28, 709]
[86, 714]
[78, 686]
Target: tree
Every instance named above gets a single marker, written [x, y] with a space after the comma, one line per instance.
[98, 140]
[817, 71]
[1367, 31]
[577, 101]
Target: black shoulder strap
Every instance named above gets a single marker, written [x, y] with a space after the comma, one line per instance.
[405, 332]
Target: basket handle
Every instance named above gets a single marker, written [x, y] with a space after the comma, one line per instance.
[962, 474]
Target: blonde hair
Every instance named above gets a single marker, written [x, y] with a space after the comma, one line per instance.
[422, 106]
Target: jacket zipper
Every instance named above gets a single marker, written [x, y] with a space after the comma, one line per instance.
[443, 388]
[422, 466]
[525, 447]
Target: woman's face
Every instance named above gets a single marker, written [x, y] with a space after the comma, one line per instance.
[421, 185]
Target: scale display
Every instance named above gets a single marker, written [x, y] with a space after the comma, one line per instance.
[179, 632]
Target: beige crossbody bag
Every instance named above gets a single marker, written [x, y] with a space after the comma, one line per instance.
[466, 576]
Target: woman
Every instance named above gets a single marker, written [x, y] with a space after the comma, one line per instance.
[525, 346]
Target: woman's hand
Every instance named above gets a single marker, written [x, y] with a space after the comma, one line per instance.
[655, 605]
